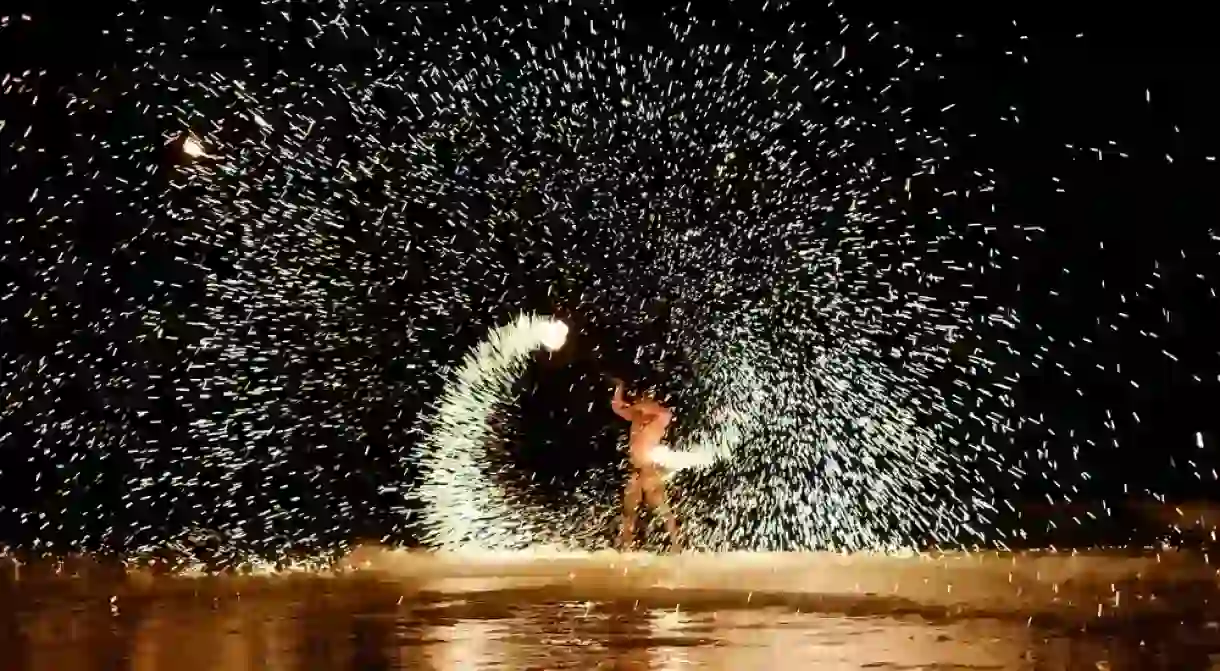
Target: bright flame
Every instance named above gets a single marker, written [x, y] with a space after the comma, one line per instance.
[678, 460]
[192, 148]
[554, 335]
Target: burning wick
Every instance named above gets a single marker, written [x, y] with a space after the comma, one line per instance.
[555, 335]
[192, 148]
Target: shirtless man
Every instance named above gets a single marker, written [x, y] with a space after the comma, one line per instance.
[649, 420]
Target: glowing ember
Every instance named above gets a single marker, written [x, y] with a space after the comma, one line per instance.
[555, 334]
[192, 148]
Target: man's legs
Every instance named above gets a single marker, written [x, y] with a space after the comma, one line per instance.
[654, 494]
[631, 502]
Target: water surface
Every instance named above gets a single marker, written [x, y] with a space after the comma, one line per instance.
[344, 624]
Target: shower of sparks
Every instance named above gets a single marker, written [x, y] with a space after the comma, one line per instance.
[238, 313]
[465, 508]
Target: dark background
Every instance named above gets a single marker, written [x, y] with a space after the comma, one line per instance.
[1126, 243]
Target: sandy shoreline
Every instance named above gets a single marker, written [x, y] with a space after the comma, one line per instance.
[1033, 584]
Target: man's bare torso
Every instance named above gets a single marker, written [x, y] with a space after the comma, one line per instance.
[649, 419]
[647, 431]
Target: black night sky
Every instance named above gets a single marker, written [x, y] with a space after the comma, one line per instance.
[1110, 262]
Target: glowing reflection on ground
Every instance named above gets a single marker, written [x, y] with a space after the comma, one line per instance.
[612, 612]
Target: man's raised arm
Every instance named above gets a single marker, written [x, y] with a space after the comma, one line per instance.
[618, 405]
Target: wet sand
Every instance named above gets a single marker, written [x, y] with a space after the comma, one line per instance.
[389, 609]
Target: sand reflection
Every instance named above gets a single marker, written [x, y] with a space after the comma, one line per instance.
[316, 624]
[668, 640]
[233, 634]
